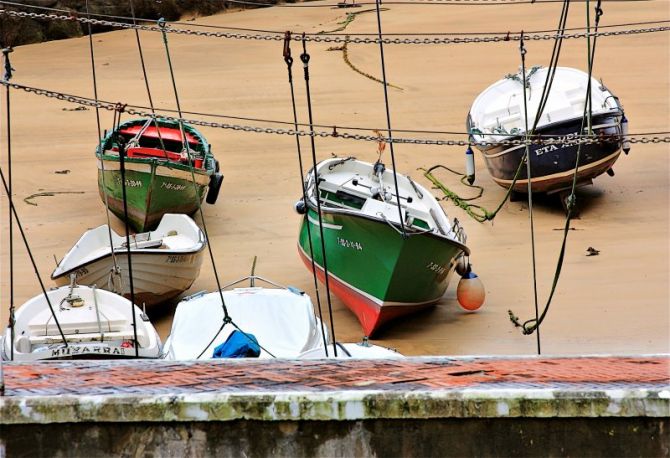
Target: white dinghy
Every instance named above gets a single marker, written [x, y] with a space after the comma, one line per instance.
[165, 262]
[281, 318]
[361, 350]
[95, 324]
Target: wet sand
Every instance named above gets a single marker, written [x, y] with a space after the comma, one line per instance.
[617, 302]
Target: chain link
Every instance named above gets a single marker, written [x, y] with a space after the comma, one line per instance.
[135, 111]
[330, 39]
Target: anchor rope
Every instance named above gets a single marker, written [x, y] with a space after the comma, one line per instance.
[304, 58]
[288, 59]
[388, 120]
[522, 51]
[226, 316]
[540, 139]
[120, 141]
[146, 82]
[116, 270]
[30, 255]
[12, 318]
[531, 325]
[479, 213]
[463, 38]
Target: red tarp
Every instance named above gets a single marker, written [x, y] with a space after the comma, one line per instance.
[167, 133]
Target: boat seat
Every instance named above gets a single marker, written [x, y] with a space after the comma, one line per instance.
[80, 320]
[154, 153]
[90, 337]
[158, 243]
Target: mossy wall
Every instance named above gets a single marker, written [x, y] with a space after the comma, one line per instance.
[513, 437]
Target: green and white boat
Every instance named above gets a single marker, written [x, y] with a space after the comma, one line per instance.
[164, 173]
[378, 272]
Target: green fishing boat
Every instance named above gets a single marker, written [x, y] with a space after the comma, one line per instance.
[166, 171]
[379, 272]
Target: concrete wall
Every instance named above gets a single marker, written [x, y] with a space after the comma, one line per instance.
[636, 436]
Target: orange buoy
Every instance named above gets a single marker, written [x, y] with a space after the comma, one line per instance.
[470, 292]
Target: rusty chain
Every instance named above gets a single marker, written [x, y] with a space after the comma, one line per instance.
[136, 111]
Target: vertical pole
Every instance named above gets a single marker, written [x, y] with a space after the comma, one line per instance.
[6, 77]
[522, 50]
[388, 116]
[122, 153]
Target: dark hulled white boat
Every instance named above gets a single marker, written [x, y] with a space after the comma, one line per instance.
[497, 115]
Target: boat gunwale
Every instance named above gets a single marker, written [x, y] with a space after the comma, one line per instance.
[503, 137]
[124, 251]
[357, 213]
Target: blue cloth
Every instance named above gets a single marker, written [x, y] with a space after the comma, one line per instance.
[238, 345]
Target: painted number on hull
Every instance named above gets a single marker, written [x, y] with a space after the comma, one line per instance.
[436, 268]
[77, 350]
[176, 259]
[130, 183]
[349, 244]
[173, 186]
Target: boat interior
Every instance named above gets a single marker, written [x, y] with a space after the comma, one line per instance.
[148, 139]
[500, 108]
[176, 233]
[369, 189]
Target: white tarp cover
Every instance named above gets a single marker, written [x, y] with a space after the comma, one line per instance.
[281, 320]
[354, 350]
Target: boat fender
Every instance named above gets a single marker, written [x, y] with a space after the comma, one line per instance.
[610, 172]
[470, 165]
[470, 292]
[216, 166]
[300, 207]
[625, 145]
[215, 181]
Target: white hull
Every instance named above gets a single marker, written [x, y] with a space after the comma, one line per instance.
[281, 319]
[352, 351]
[98, 325]
[160, 272]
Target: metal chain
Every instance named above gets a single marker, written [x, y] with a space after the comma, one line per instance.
[330, 39]
[533, 140]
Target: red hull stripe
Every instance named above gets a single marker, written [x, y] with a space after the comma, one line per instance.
[369, 313]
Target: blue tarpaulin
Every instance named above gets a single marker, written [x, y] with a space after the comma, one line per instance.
[238, 345]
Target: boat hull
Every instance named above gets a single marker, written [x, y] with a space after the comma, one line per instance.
[553, 166]
[377, 273]
[152, 189]
[157, 277]
[100, 325]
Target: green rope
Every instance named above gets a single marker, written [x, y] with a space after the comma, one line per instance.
[531, 325]
[476, 212]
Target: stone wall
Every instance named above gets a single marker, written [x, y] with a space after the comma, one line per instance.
[457, 437]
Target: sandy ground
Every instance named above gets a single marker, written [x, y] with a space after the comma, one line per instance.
[616, 302]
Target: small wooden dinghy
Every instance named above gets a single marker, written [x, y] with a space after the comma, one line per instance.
[497, 115]
[96, 324]
[159, 176]
[376, 271]
[165, 262]
[280, 318]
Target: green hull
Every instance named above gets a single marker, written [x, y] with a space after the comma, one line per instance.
[152, 189]
[378, 274]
